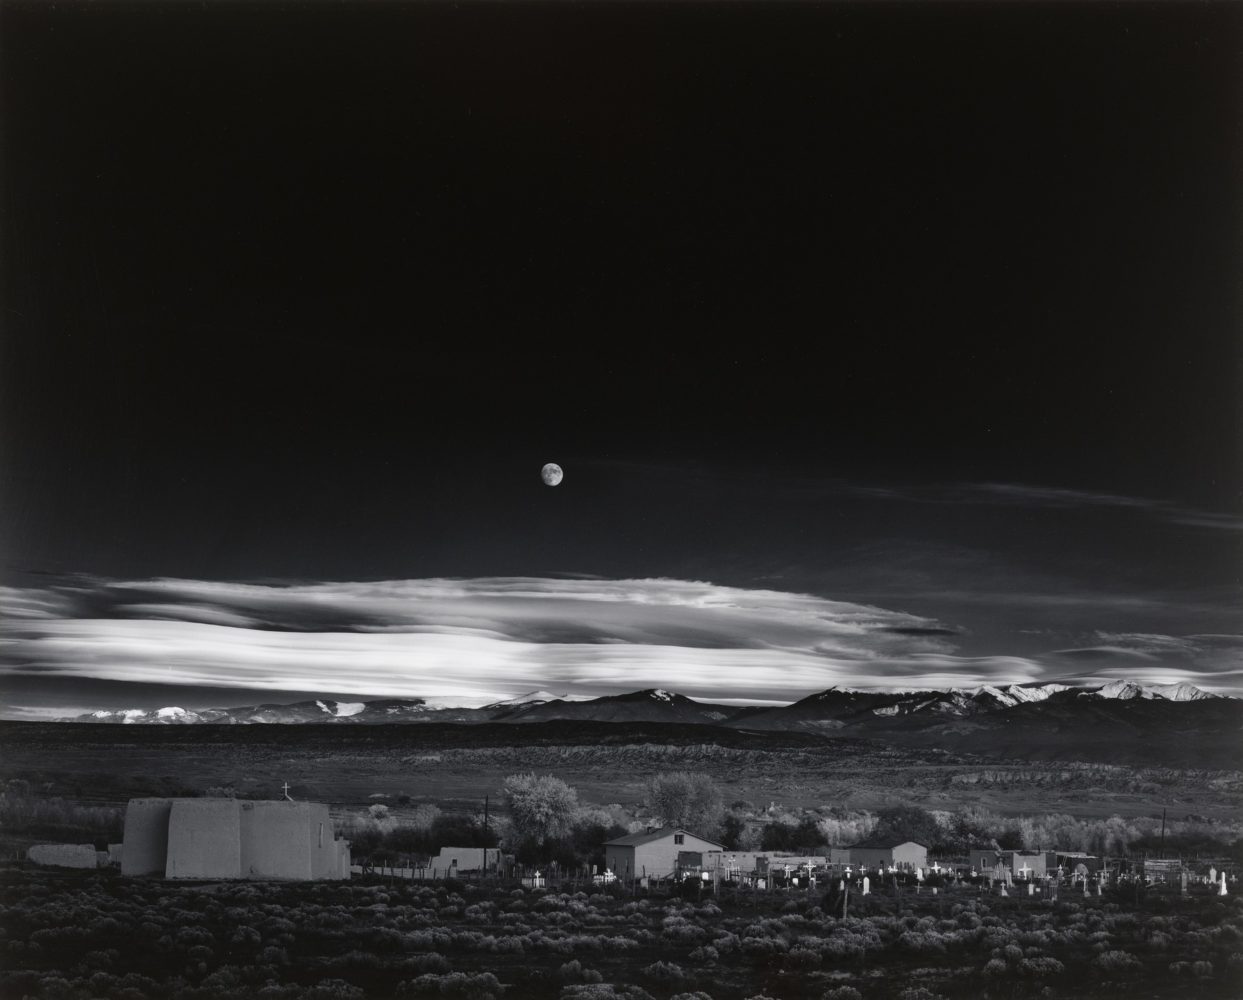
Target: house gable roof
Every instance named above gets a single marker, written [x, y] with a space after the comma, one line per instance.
[648, 836]
[880, 844]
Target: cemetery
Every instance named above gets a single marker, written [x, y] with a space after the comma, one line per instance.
[99, 934]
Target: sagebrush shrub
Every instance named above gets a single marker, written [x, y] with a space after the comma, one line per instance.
[1117, 962]
[574, 972]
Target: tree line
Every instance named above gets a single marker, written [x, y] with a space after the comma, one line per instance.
[542, 819]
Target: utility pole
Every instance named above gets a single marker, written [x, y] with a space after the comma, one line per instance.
[1163, 831]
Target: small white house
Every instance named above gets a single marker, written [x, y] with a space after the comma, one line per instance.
[657, 853]
[452, 860]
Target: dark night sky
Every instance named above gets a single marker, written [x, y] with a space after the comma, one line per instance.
[933, 308]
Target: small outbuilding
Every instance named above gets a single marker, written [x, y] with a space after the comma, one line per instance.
[1021, 864]
[983, 859]
[466, 859]
[657, 853]
[1031, 864]
[905, 855]
[64, 855]
[1078, 862]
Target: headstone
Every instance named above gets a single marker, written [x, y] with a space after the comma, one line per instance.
[1183, 883]
[1003, 889]
[867, 885]
[1212, 874]
[1031, 888]
[1223, 885]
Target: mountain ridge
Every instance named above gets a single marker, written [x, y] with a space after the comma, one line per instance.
[833, 708]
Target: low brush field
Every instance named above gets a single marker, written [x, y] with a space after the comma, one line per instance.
[78, 936]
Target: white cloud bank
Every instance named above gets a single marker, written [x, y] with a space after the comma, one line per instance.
[475, 640]
[481, 640]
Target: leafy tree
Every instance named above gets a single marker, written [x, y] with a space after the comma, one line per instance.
[593, 828]
[458, 831]
[424, 816]
[406, 840]
[805, 836]
[733, 827]
[365, 841]
[962, 832]
[541, 809]
[908, 823]
[685, 799]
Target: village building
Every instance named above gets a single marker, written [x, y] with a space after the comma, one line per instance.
[1078, 862]
[65, 855]
[1031, 864]
[983, 859]
[1162, 869]
[232, 839]
[466, 859]
[881, 853]
[732, 864]
[658, 853]
[1020, 864]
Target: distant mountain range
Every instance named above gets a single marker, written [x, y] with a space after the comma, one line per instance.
[1116, 723]
[852, 711]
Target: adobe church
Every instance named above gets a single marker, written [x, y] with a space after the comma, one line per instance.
[232, 838]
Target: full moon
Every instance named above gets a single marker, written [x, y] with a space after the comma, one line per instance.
[551, 474]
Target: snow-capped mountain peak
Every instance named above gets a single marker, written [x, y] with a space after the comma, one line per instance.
[1015, 694]
[342, 709]
[1180, 692]
[537, 698]
[1126, 690]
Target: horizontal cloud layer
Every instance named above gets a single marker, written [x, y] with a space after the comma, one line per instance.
[1022, 495]
[478, 640]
